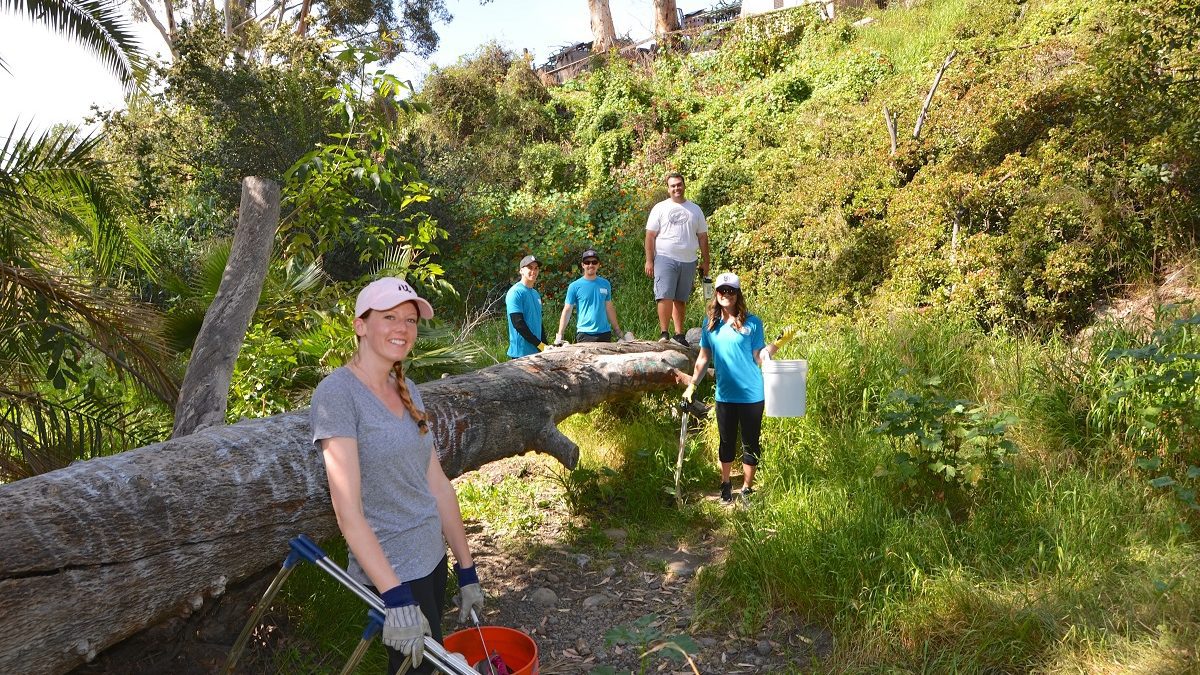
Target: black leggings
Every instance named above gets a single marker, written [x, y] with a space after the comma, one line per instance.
[430, 593]
[749, 417]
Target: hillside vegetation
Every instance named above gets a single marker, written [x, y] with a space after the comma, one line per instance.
[976, 487]
[1062, 143]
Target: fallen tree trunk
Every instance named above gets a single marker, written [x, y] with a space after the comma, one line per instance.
[103, 549]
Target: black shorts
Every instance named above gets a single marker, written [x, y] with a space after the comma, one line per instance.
[747, 416]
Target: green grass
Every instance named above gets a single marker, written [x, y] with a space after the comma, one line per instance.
[1071, 563]
[911, 38]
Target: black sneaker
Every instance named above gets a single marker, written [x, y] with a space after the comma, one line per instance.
[746, 492]
[727, 492]
[680, 339]
[664, 337]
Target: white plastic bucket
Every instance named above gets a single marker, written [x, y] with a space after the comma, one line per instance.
[785, 383]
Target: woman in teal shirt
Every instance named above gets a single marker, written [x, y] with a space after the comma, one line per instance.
[733, 341]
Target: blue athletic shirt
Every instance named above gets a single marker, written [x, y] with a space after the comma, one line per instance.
[739, 378]
[590, 297]
[527, 301]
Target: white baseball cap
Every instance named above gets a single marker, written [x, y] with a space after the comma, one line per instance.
[388, 292]
[727, 279]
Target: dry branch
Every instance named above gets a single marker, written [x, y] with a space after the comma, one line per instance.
[929, 97]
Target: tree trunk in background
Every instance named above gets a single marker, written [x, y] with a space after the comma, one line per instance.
[302, 21]
[666, 21]
[604, 35]
[204, 396]
[102, 550]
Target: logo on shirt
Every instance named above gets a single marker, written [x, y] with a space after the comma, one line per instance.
[745, 330]
[603, 291]
[679, 217]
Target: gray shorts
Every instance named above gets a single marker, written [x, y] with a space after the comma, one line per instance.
[673, 279]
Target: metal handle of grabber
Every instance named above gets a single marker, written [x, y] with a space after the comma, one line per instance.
[434, 651]
[303, 548]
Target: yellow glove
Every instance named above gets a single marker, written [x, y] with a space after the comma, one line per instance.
[786, 336]
[689, 393]
[541, 346]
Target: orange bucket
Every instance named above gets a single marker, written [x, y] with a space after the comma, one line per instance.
[518, 650]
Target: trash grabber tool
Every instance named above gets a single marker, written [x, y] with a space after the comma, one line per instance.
[487, 653]
[289, 563]
[374, 625]
[683, 425]
[434, 651]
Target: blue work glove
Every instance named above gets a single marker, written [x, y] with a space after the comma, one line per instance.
[470, 594]
[405, 626]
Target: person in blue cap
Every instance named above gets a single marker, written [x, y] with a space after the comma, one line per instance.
[523, 304]
[394, 504]
[733, 340]
[592, 294]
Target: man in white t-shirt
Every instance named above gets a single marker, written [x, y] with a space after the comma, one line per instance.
[675, 229]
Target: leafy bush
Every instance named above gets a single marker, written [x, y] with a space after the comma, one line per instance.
[944, 446]
[1158, 392]
[759, 45]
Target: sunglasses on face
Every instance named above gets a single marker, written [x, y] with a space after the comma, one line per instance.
[727, 290]
[591, 262]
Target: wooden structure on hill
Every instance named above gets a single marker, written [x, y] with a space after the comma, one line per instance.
[102, 550]
[714, 15]
[828, 8]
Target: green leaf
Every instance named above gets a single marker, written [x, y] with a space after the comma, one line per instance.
[1162, 482]
[1149, 463]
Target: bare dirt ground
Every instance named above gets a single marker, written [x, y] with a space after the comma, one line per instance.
[568, 599]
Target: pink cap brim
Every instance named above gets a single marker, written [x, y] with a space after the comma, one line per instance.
[387, 293]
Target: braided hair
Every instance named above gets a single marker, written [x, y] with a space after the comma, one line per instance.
[406, 398]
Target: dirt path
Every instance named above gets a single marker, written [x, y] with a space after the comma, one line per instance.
[568, 598]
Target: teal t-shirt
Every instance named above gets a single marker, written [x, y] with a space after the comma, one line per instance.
[527, 301]
[590, 298]
[739, 378]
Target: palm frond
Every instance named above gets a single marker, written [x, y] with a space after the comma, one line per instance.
[53, 183]
[98, 25]
[125, 332]
[207, 280]
[39, 434]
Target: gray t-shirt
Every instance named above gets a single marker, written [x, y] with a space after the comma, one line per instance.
[393, 459]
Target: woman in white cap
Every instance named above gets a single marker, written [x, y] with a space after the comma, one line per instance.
[733, 341]
[395, 506]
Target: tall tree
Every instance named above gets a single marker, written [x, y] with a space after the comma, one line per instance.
[394, 25]
[604, 35]
[666, 20]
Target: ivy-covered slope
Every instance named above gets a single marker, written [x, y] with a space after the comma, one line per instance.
[1058, 158]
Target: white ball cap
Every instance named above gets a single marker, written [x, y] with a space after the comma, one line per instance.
[388, 292]
[727, 279]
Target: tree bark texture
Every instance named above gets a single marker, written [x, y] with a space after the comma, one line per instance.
[101, 550]
[604, 34]
[204, 395]
[666, 20]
